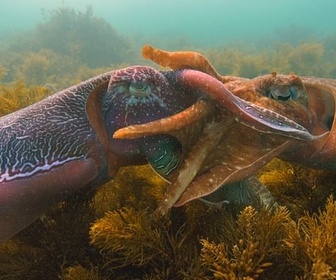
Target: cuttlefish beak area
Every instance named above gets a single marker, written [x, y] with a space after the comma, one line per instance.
[282, 94]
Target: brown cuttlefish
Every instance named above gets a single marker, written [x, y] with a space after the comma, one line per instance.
[222, 150]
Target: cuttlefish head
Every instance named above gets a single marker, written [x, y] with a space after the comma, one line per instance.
[283, 96]
[320, 153]
[141, 94]
[276, 115]
[266, 118]
[135, 95]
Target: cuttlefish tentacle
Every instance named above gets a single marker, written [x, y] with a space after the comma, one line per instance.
[183, 60]
[192, 164]
[200, 109]
[256, 117]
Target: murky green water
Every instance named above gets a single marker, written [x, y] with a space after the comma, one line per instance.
[202, 23]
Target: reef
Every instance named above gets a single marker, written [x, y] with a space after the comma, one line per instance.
[113, 233]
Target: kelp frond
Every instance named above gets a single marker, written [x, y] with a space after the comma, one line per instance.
[128, 234]
[80, 273]
[299, 189]
[16, 261]
[18, 95]
[259, 238]
[312, 243]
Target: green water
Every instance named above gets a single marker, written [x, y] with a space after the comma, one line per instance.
[202, 23]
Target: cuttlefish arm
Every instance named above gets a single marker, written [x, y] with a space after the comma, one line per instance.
[178, 60]
[213, 163]
[211, 83]
[257, 117]
[187, 117]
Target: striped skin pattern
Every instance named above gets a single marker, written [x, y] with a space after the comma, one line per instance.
[46, 153]
[64, 143]
[47, 134]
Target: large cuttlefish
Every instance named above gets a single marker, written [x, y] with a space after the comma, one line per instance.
[64, 143]
[230, 149]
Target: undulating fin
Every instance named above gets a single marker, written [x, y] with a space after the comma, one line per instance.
[24, 200]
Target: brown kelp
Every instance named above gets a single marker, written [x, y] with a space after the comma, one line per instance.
[114, 234]
[18, 95]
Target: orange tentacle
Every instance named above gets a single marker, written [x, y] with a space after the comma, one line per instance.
[180, 60]
[166, 125]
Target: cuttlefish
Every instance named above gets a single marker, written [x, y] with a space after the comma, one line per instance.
[230, 149]
[64, 143]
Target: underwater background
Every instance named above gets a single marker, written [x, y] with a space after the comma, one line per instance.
[46, 46]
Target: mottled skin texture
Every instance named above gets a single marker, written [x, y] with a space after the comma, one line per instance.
[231, 149]
[61, 144]
[36, 147]
[64, 142]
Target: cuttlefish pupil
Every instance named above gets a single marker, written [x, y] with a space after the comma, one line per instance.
[282, 93]
[140, 89]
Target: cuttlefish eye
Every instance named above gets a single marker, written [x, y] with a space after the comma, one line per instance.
[283, 93]
[140, 88]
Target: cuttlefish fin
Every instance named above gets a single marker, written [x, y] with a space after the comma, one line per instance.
[24, 200]
[194, 113]
[95, 116]
[183, 60]
[192, 164]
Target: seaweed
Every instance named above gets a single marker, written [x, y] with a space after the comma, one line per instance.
[306, 59]
[113, 233]
[18, 95]
[298, 188]
[311, 242]
[258, 242]
[78, 272]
